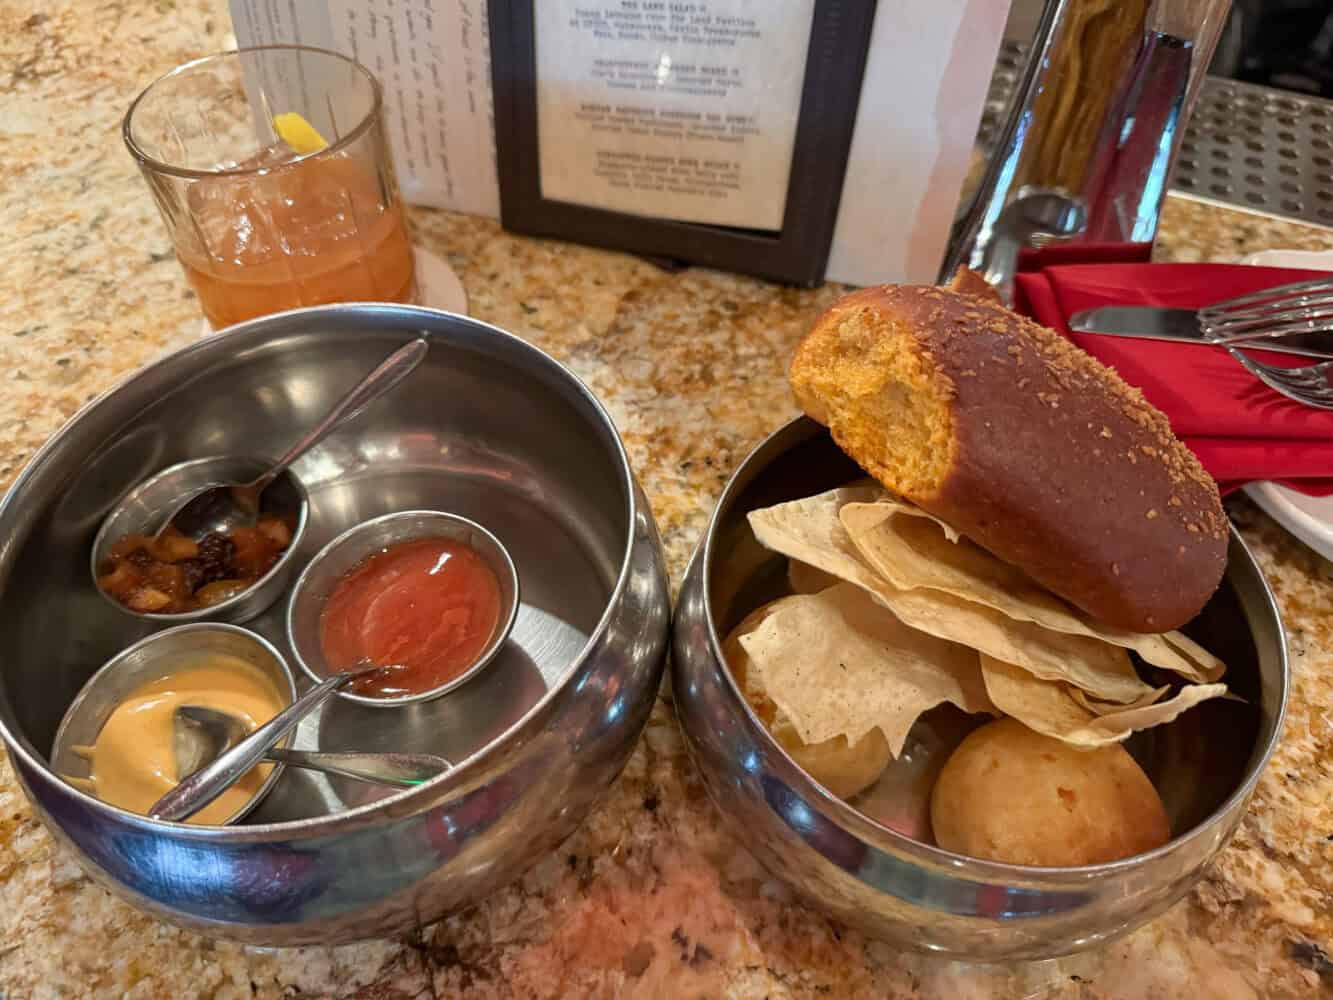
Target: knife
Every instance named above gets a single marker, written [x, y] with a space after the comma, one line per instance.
[1158, 323]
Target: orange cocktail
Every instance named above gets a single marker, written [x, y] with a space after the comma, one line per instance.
[304, 234]
[264, 214]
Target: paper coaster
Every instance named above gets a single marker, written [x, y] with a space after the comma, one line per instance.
[438, 287]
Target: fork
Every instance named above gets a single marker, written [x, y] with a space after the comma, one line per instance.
[1303, 307]
[1311, 385]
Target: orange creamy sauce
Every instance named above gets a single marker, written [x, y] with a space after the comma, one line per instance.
[132, 762]
[428, 607]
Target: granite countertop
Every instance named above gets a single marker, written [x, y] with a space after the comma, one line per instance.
[651, 898]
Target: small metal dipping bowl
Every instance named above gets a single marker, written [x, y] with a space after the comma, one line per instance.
[1204, 764]
[140, 510]
[160, 655]
[317, 582]
[487, 427]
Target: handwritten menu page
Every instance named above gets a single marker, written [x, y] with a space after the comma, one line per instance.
[680, 110]
[651, 74]
[433, 59]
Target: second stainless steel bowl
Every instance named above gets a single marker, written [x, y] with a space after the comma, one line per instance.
[1204, 764]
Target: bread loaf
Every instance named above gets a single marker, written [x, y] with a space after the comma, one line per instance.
[1022, 442]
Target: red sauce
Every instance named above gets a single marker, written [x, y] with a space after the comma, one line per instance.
[427, 607]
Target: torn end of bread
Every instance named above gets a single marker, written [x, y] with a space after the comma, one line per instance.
[862, 375]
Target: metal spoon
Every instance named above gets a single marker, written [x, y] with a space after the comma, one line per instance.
[204, 785]
[202, 734]
[223, 507]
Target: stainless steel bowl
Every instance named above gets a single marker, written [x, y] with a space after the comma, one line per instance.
[160, 493]
[317, 581]
[488, 427]
[160, 655]
[1204, 765]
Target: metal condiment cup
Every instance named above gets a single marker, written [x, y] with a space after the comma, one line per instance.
[319, 579]
[142, 508]
[161, 655]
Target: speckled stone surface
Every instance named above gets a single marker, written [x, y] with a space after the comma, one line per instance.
[651, 898]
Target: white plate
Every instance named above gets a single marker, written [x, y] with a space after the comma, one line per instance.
[1308, 518]
[438, 286]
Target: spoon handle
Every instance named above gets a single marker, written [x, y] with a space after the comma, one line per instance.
[203, 786]
[404, 770]
[392, 370]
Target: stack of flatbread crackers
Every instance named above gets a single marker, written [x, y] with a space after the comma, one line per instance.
[896, 613]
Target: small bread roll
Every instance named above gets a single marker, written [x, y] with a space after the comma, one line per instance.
[841, 768]
[1010, 794]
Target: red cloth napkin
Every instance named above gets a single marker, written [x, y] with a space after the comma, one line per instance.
[1241, 430]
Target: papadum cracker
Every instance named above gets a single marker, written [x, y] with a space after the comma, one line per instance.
[1097, 667]
[811, 531]
[837, 664]
[1097, 707]
[912, 549]
[1051, 709]
[808, 531]
[842, 766]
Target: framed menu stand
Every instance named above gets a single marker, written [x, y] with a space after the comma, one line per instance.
[668, 125]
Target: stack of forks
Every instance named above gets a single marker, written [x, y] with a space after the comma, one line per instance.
[1272, 315]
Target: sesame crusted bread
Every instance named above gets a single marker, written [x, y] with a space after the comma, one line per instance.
[1022, 442]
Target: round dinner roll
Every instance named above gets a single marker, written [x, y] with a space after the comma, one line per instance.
[843, 768]
[1010, 794]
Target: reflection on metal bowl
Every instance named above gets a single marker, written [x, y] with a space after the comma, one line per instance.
[488, 427]
[865, 872]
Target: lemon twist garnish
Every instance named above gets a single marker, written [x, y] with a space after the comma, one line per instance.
[298, 133]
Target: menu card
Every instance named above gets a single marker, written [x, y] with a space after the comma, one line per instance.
[625, 100]
[680, 111]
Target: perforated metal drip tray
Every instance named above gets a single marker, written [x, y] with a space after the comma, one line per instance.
[1260, 149]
